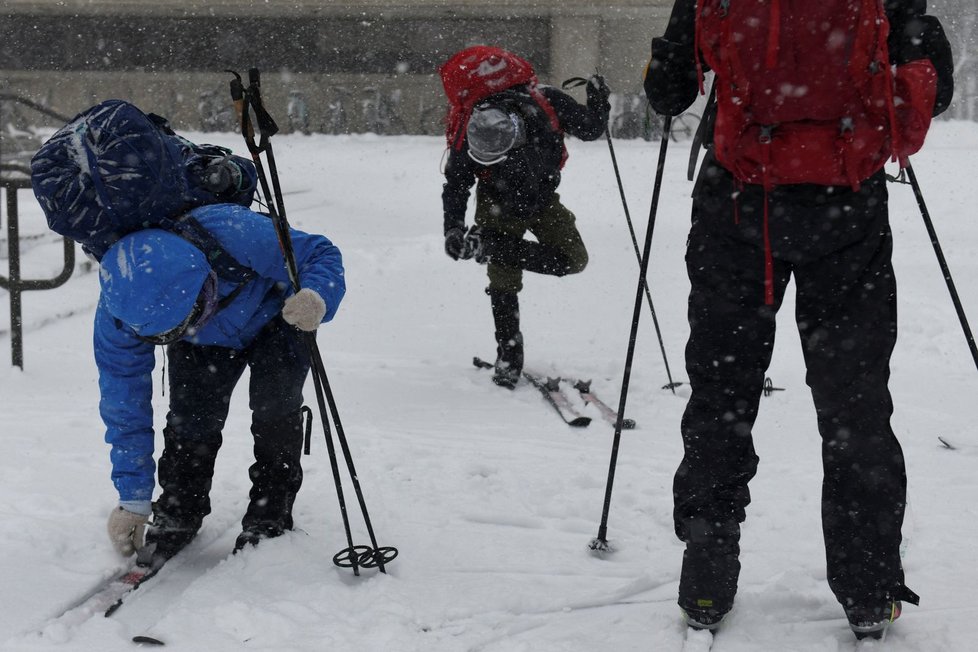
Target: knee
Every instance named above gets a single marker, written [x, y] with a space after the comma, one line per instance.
[576, 263]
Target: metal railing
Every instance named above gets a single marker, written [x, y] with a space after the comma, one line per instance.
[15, 177]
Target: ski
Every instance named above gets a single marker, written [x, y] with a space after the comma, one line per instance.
[138, 575]
[552, 393]
[608, 413]
[108, 595]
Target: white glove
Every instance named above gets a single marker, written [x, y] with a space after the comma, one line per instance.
[126, 530]
[305, 310]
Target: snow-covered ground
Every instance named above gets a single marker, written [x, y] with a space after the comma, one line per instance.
[490, 499]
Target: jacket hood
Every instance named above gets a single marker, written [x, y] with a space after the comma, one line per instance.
[150, 280]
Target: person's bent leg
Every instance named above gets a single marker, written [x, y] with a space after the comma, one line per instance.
[279, 362]
[201, 381]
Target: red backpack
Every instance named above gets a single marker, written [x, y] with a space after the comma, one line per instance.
[805, 91]
[473, 74]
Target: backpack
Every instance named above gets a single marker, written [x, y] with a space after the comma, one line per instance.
[805, 92]
[113, 170]
[475, 73]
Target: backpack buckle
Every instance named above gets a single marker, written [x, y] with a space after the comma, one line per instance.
[724, 8]
[846, 126]
[767, 134]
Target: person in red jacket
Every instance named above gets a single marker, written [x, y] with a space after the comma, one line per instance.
[808, 111]
[512, 150]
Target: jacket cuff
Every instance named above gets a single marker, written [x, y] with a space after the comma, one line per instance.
[143, 507]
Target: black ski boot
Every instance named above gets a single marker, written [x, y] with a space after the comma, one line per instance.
[276, 477]
[711, 566]
[166, 535]
[509, 339]
[185, 470]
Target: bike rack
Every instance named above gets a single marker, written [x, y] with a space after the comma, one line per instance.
[14, 178]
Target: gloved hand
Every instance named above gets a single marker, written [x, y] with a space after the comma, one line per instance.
[455, 244]
[222, 176]
[916, 40]
[597, 92]
[126, 530]
[305, 310]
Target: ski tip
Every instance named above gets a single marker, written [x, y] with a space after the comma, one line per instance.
[147, 640]
[579, 422]
[946, 443]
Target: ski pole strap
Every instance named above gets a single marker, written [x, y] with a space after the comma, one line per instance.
[266, 124]
[245, 100]
[573, 82]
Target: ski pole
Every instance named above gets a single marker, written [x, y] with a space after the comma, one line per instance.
[245, 100]
[645, 284]
[600, 543]
[574, 82]
[945, 270]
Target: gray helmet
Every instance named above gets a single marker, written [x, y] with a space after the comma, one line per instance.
[492, 133]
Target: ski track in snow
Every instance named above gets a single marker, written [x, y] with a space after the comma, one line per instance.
[489, 498]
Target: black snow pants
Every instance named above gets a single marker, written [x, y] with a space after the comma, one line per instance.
[837, 244]
[201, 381]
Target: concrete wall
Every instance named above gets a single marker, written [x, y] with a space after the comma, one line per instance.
[563, 38]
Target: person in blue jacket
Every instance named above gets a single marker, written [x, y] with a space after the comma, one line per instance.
[159, 289]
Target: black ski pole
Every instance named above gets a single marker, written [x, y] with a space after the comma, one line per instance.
[575, 82]
[247, 99]
[945, 270]
[600, 543]
[645, 284]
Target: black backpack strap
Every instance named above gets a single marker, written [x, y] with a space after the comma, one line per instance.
[224, 264]
[703, 130]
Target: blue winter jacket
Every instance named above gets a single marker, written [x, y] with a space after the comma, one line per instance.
[168, 277]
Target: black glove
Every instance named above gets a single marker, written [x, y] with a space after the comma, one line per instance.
[221, 177]
[923, 37]
[597, 92]
[455, 243]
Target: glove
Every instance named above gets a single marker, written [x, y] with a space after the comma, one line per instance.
[126, 530]
[221, 177]
[455, 244]
[476, 241]
[305, 310]
[597, 92]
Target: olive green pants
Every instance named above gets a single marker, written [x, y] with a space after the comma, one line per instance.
[553, 226]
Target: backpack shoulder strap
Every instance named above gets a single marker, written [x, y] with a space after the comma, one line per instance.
[224, 264]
